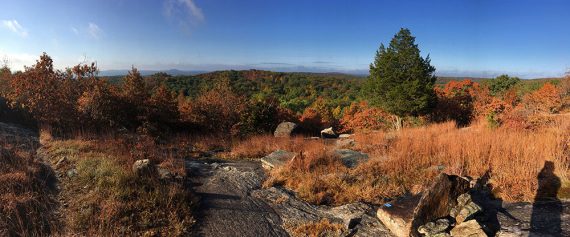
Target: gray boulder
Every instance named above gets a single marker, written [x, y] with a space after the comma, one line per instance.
[285, 129]
[350, 158]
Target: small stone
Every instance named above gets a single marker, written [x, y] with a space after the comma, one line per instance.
[71, 173]
[164, 173]
[141, 166]
[215, 165]
[469, 228]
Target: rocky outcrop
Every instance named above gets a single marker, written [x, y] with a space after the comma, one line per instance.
[235, 204]
[277, 159]
[356, 218]
[465, 208]
[438, 200]
[285, 129]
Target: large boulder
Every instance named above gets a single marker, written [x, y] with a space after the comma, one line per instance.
[397, 215]
[277, 159]
[438, 200]
[285, 129]
[328, 133]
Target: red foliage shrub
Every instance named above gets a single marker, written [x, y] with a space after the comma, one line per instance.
[456, 102]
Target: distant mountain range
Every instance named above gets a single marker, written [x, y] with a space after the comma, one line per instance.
[173, 72]
[442, 76]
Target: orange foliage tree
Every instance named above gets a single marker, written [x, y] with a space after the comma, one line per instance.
[48, 94]
[547, 99]
[216, 110]
[360, 116]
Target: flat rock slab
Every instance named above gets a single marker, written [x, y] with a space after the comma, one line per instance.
[526, 219]
[357, 218]
[226, 207]
[277, 159]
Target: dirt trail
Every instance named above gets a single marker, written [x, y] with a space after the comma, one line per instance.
[226, 207]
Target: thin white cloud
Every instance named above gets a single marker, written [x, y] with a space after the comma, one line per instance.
[75, 30]
[193, 9]
[15, 27]
[186, 11]
[94, 30]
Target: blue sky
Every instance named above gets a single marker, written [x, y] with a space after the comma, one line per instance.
[463, 37]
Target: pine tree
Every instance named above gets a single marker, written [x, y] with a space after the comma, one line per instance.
[401, 81]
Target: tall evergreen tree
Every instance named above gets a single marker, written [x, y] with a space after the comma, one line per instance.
[401, 81]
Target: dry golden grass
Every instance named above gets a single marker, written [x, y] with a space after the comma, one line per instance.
[318, 229]
[260, 146]
[405, 161]
[107, 198]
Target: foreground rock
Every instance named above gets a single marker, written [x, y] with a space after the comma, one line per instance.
[460, 206]
[438, 200]
[357, 219]
[285, 129]
[277, 159]
[397, 216]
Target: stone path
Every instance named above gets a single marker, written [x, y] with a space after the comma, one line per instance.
[226, 207]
